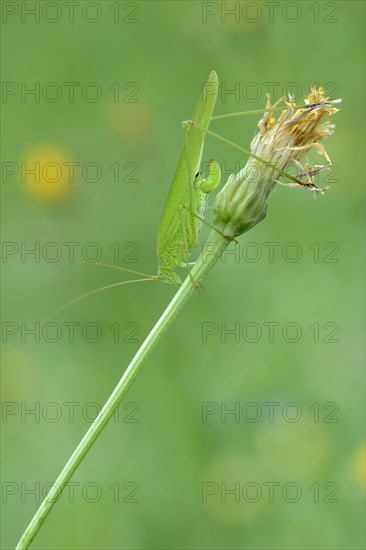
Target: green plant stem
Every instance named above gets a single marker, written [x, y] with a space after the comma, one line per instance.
[213, 249]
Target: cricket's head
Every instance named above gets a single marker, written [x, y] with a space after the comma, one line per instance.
[169, 276]
[280, 143]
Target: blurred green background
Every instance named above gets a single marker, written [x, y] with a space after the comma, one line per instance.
[160, 451]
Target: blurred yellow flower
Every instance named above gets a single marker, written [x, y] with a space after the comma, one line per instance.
[232, 491]
[47, 174]
[129, 122]
[18, 374]
[240, 17]
[359, 464]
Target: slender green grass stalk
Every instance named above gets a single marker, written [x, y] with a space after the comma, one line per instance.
[203, 265]
[241, 204]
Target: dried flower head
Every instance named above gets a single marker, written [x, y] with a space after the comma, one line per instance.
[279, 144]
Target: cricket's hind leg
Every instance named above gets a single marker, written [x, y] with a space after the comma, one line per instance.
[227, 237]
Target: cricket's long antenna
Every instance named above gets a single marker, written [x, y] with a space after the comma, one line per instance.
[309, 106]
[95, 291]
[113, 266]
[244, 113]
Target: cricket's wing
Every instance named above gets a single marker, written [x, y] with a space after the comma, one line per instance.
[181, 190]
